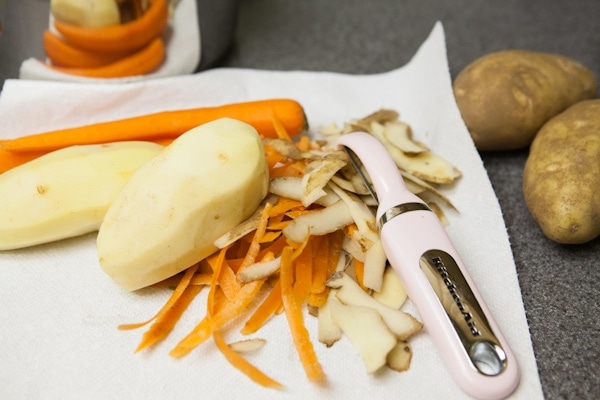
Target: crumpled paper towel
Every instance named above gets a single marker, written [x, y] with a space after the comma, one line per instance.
[60, 312]
[183, 52]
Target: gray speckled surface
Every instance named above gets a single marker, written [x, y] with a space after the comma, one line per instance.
[560, 284]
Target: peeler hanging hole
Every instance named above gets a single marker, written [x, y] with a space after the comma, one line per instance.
[488, 358]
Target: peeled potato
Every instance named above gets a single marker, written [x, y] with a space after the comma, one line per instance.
[172, 210]
[67, 192]
[86, 13]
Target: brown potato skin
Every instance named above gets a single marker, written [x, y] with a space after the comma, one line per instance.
[561, 179]
[505, 97]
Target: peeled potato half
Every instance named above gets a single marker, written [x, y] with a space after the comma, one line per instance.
[172, 210]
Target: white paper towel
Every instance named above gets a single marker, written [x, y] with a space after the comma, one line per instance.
[59, 337]
[183, 51]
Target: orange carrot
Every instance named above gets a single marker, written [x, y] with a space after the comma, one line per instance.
[64, 54]
[9, 159]
[142, 61]
[293, 313]
[166, 124]
[124, 37]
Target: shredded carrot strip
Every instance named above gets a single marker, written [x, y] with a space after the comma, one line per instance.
[219, 264]
[304, 274]
[273, 157]
[234, 358]
[169, 304]
[226, 276]
[279, 128]
[161, 328]
[275, 247]
[284, 205]
[293, 313]
[254, 249]
[294, 170]
[304, 143]
[243, 365]
[231, 310]
[208, 325]
[268, 237]
[320, 263]
[270, 305]
[359, 270]
[201, 279]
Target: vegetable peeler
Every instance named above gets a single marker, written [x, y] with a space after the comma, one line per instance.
[437, 282]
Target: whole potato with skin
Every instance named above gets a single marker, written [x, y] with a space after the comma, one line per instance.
[561, 179]
[505, 97]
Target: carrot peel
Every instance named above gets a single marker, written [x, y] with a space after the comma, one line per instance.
[293, 312]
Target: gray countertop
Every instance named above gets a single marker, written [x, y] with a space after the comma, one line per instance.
[560, 284]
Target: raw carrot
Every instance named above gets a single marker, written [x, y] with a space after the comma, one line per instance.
[124, 37]
[166, 124]
[10, 160]
[293, 313]
[142, 61]
[64, 54]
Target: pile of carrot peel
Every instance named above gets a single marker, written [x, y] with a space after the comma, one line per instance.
[300, 281]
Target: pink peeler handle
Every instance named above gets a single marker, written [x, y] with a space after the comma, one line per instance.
[452, 309]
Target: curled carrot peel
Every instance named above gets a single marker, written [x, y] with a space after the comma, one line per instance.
[167, 124]
[243, 365]
[234, 358]
[124, 37]
[143, 61]
[63, 54]
[293, 312]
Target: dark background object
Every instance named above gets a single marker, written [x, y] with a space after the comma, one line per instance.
[560, 284]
